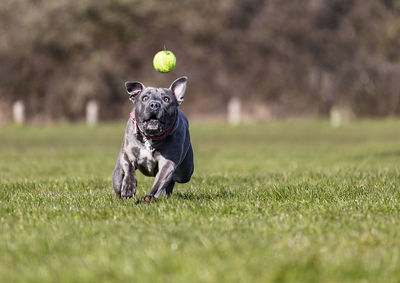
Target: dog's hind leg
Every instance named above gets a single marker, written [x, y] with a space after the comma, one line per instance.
[185, 170]
[170, 188]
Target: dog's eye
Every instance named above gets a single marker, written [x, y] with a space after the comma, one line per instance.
[166, 99]
[145, 98]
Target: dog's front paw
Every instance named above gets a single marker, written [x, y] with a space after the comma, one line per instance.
[148, 199]
[128, 191]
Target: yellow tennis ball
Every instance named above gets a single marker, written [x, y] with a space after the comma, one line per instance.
[164, 61]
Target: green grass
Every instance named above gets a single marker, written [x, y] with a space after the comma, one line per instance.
[284, 201]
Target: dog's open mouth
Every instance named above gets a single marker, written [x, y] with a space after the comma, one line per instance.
[152, 124]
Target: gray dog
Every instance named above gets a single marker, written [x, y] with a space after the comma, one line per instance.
[156, 141]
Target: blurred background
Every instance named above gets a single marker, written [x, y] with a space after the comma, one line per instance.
[278, 59]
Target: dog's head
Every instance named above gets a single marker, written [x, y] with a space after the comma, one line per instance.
[156, 108]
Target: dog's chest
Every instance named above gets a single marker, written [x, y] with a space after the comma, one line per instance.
[146, 162]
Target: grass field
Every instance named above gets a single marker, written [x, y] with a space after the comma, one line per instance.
[279, 202]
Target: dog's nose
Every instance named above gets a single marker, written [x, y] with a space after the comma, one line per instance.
[154, 105]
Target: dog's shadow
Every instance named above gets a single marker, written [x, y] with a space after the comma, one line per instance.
[190, 196]
[222, 194]
[382, 155]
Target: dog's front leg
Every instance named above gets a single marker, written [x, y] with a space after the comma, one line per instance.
[162, 180]
[129, 183]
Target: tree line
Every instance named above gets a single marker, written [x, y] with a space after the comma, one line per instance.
[281, 58]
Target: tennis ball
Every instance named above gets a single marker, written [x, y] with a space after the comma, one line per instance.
[164, 61]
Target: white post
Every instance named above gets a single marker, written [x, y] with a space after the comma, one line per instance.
[340, 115]
[19, 112]
[234, 108]
[92, 113]
[336, 118]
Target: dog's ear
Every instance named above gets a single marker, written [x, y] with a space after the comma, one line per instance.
[178, 87]
[134, 89]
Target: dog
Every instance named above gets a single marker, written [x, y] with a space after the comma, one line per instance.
[156, 141]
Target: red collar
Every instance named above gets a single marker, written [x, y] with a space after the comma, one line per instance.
[153, 138]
